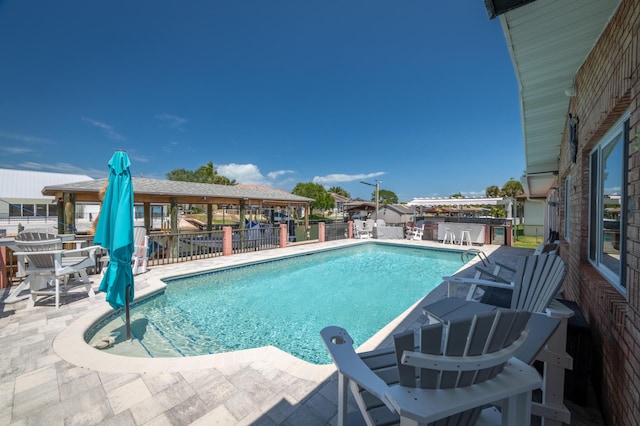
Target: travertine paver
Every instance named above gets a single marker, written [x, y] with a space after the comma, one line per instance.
[49, 376]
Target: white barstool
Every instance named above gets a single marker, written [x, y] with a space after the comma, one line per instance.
[465, 237]
[449, 236]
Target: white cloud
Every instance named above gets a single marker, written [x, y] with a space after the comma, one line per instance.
[278, 173]
[16, 150]
[173, 121]
[242, 173]
[108, 130]
[334, 178]
[473, 194]
[24, 138]
[63, 168]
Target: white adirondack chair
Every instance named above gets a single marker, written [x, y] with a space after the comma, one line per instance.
[50, 270]
[140, 255]
[447, 376]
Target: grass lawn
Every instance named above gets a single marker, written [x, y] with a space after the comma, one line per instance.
[526, 241]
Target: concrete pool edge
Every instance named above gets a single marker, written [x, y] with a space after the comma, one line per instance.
[71, 346]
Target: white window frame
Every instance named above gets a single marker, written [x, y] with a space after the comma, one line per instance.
[567, 209]
[595, 253]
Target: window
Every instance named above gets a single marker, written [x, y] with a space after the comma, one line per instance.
[15, 210]
[607, 195]
[28, 210]
[567, 208]
[41, 210]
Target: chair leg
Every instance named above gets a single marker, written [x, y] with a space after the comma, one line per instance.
[343, 393]
[57, 296]
[516, 410]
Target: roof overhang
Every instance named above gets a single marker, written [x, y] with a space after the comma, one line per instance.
[498, 7]
[167, 191]
[548, 41]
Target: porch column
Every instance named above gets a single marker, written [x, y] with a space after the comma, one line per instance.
[147, 216]
[4, 279]
[209, 217]
[174, 227]
[284, 235]
[60, 203]
[306, 220]
[69, 223]
[227, 241]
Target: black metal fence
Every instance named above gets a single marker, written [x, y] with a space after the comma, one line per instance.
[336, 231]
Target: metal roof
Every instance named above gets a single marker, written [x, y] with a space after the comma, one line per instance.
[162, 191]
[27, 184]
[549, 41]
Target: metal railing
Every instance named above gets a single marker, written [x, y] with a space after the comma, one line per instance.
[336, 231]
[165, 248]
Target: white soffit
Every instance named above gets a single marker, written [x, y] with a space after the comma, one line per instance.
[548, 41]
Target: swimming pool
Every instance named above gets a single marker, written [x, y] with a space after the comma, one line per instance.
[285, 303]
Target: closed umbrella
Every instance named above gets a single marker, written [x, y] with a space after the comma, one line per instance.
[114, 232]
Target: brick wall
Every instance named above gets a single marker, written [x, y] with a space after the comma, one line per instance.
[607, 86]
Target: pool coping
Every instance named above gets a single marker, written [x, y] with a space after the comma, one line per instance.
[70, 343]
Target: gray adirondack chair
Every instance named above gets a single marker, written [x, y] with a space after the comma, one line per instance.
[446, 377]
[50, 270]
[533, 286]
[536, 280]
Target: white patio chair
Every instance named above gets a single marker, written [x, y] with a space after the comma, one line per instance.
[49, 270]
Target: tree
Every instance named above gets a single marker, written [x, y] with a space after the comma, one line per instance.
[512, 188]
[492, 191]
[204, 174]
[340, 191]
[457, 195]
[385, 197]
[323, 200]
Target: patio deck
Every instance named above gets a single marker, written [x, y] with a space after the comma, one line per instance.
[48, 375]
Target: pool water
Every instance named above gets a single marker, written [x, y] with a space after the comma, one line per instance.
[285, 303]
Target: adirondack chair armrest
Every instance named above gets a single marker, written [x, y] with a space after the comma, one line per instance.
[22, 255]
[91, 250]
[485, 273]
[454, 282]
[507, 267]
[83, 252]
[558, 310]
[340, 346]
[27, 253]
[463, 363]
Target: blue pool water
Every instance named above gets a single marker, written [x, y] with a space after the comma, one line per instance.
[285, 303]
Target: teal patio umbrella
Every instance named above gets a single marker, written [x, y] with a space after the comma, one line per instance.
[114, 232]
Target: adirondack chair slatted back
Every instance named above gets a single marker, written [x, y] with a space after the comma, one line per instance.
[538, 279]
[36, 234]
[483, 334]
[40, 260]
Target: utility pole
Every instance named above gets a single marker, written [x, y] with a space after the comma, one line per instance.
[377, 195]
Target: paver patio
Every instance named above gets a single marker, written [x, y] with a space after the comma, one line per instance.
[48, 375]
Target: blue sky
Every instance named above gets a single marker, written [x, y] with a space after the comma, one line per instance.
[418, 94]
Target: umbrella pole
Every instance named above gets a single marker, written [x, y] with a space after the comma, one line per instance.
[127, 317]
